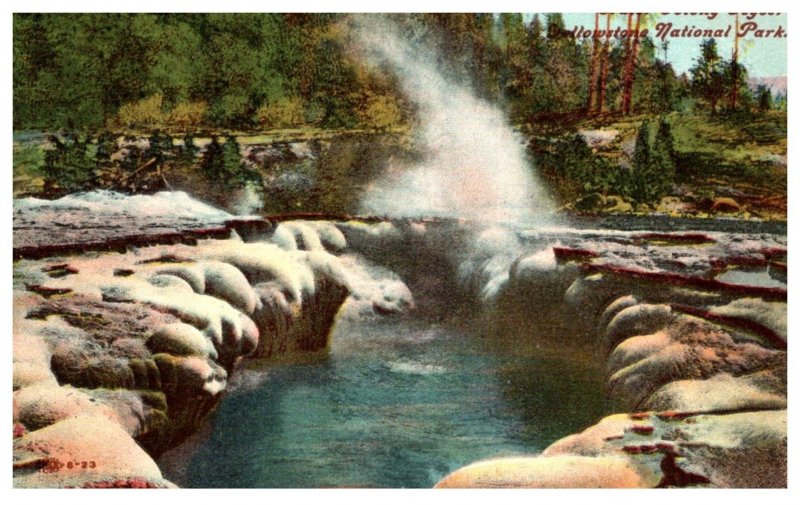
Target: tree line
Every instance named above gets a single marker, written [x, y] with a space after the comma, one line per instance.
[261, 71]
[77, 162]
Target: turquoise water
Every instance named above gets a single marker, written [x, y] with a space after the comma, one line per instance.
[395, 403]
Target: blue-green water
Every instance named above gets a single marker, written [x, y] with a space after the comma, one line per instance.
[395, 403]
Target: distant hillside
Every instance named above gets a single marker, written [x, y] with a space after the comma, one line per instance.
[776, 84]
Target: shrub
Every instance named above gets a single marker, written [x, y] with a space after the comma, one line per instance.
[187, 152]
[133, 155]
[339, 110]
[145, 112]
[314, 113]
[380, 113]
[160, 147]
[187, 114]
[282, 113]
[212, 164]
[231, 110]
[222, 163]
[68, 164]
[232, 160]
[573, 170]
[106, 147]
[28, 159]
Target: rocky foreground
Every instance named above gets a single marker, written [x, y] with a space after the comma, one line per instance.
[695, 354]
[121, 351]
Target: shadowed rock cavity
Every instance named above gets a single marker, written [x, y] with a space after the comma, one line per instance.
[144, 342]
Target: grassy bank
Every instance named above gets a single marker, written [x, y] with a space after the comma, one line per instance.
[740, 157]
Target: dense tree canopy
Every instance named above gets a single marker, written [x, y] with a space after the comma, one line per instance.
[249, 71]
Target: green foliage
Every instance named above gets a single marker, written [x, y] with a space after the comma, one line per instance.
[653, 164]
[68, 164]
[555, 26]
[663, 157]
[28, 159]
[251, 70]
[708, 75]
[334, 86]
[188, 114]
[222, 163]
[656, 88]
[213, 163]
[281, 113]
[380, 113]
[667, 90]
[735, 84]
[160, 147]
[232, 160]
[231, 109]
[143, 113]
[187, 151]
[641, 180]
[133, 155]
[572, 169]
[514, 70]
[764, 98]
[106, 147]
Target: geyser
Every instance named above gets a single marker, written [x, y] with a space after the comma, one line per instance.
[474, 164]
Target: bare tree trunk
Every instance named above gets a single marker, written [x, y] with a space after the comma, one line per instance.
[735, 66]
[627, 79]
[593, 65]
[634, 59]
[601, 100]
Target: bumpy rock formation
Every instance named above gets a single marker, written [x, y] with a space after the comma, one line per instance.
[697, 363]
[118, 356]
[121, 351]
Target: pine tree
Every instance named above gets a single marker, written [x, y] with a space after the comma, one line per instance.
[68, 165]
[641, 186]
[707, 75]
[232, 160]
[160, 147]
[213, 164]
[734, 77]
[663, 158]
[664, 94]
[187, 153]
[764, 96]
[555, 26]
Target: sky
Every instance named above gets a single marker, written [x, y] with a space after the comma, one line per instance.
[763, 57]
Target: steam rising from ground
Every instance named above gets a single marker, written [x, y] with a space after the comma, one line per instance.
[100, 202]
[247, 201]
[474, 164]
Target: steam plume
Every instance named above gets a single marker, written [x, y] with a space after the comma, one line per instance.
[474, 164]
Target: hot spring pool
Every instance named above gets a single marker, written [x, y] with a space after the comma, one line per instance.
[396, 402]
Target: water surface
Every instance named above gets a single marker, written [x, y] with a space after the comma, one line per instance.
[395, 403]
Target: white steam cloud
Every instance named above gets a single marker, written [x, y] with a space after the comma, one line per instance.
[247, 201]
[474, 163]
